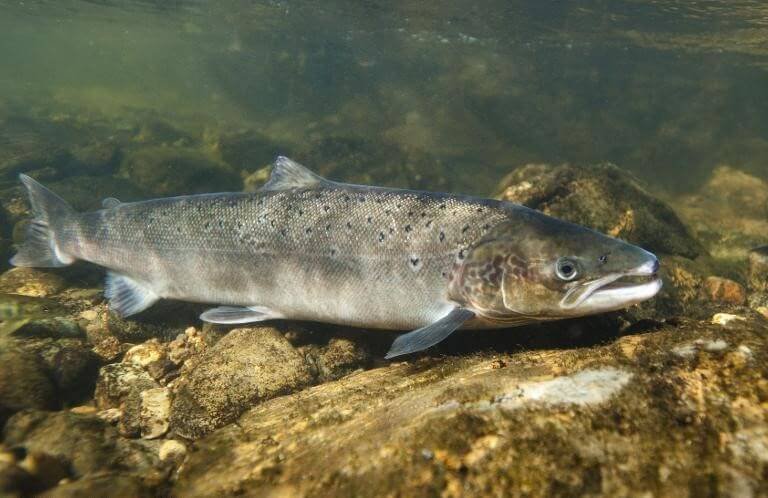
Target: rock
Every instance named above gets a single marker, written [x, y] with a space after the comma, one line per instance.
[101, 158]
[758, 269]
[168, 171]
[155, 412]
[85, 443]
[725, 291]
[247, 150]
[119, 380]
[24, 382]
[172, 450]
[729, 214]
[71, 365]
[340, 357]
[31, 282]
[244, 368]
[111, 484]
[47, 470]
[144, 354]
[187, 345]
[367, 162]
[604, 198]
[726, 319]
[525, 422]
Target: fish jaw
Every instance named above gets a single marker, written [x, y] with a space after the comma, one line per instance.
[617, 291]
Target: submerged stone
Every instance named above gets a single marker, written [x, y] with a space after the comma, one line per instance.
[602, 197]
[245, 367]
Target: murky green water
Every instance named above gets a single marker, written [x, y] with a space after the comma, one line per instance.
[440, 95]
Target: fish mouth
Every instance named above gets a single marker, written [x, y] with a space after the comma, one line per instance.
[613, 292]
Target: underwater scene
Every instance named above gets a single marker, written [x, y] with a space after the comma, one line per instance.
[507, 248]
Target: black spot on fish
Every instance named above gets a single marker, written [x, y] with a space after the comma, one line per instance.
[369, 219]
[301, 212]
[442, 206]
[328, 227]
[361, 199]
[486, 226]
[414, 261]
[387, 211]
[480, 210]
[398, 205]
[423, 214]
[410, 213]
[333, 252]
[346, 198]
[408, 228]
[207, 225]
[391, 230]
[381, 236]
[461, 254]
[428, 223]
[442, 236]
[283, 232]
[221, 224]
[349, 225]
[327, 208]
[465, 228]
[308, 230]
[272, 223]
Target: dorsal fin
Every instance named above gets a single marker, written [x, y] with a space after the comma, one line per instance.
[110, 202]
[288, 174]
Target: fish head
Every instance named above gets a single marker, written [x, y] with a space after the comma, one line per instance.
[535, 267]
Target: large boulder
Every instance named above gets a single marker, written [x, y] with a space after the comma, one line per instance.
[602, 197]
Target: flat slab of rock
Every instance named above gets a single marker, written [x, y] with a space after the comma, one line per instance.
[619, 420]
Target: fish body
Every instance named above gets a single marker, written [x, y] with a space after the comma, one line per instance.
[307, 248]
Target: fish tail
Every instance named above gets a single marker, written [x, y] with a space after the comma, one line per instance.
[49, 214]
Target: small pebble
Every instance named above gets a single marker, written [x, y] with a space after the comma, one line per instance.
[172, 450]
[724, 290]
[726, 319]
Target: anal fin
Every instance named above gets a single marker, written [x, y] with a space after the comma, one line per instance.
[127, 296]
[229, 315]
[425, 337]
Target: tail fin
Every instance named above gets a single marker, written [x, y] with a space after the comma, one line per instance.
[50, 212]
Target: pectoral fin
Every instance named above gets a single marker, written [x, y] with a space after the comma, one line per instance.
[430, 335]
[110, 202]
[229, 315]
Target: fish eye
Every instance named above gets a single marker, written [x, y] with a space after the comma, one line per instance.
[566, 269]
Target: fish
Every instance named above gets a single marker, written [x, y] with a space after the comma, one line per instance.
[304, 247]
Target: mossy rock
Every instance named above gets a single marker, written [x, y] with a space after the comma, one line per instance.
[367, 162]
[168, 171]
[605, 198]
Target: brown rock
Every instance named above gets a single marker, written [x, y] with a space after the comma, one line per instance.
[244, 368]
[526, 423]
[31, 282]
[726, 291]
[602, 197]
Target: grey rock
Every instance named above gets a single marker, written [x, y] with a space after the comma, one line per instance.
[244, 368]
[71, 365]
